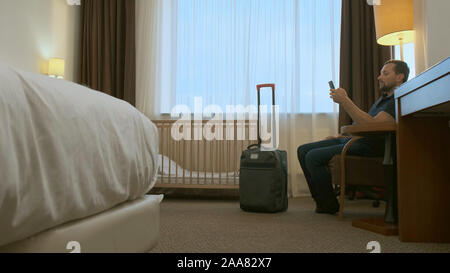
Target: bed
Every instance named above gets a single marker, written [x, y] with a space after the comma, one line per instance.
[77, 166]
[171, 174]
[200, 163]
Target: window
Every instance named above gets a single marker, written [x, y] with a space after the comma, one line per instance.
[224, 48]
[409, 58]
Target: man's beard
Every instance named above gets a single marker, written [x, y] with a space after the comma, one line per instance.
[385, 88]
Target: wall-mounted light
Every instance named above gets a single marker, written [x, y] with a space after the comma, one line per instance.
[56, 68]
[74, 2]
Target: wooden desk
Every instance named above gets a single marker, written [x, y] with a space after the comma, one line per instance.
[423, 156]
[388, 224]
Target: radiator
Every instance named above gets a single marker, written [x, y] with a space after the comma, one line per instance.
[200, 161]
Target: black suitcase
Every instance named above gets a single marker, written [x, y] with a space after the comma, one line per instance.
[263, 175]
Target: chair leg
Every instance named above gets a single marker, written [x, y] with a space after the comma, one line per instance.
[342, 195]
[343, 175]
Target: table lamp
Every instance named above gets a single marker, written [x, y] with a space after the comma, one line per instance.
[394, 23]
[56, 68]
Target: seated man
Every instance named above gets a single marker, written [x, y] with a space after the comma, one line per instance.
[314, 157]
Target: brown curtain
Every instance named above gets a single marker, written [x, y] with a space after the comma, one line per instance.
[108, 47]
[361, 57]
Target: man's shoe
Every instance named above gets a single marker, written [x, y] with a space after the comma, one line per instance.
[330, 206]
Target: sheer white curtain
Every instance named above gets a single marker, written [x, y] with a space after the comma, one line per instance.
[219, 50]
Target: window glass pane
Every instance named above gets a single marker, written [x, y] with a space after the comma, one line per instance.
[409, 57]
[226, 47]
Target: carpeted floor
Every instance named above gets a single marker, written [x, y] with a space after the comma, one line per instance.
[219, 226]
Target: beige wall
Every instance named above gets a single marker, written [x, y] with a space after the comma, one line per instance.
[32, 31]
[432, 23]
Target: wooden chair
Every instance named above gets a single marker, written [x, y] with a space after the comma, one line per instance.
[361, 172]
[357, 170]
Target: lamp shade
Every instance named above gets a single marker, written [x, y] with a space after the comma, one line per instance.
[394, 22]
[56, 67]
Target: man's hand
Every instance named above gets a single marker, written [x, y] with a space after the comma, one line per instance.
[338, 95]
[334, 137]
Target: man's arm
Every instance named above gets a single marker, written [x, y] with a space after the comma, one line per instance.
[359, 116]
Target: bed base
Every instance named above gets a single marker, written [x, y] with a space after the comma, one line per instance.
[132, 227]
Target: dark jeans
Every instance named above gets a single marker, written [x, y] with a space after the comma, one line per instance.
[314, 158]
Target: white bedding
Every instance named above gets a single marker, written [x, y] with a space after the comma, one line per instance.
[67, 152]
[172, 169]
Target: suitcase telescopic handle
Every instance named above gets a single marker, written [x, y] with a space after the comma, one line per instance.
[259, 87]
[269, 85]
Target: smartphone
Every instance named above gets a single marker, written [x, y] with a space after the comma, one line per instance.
[331, 84]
